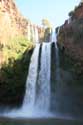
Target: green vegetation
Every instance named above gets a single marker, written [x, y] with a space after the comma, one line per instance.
[14, 70]
[16, 47]
[48, 30]
[71, 15]
[46, 23]
[47, 34]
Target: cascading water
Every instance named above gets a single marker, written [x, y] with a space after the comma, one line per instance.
[29, 99]
[43, 95]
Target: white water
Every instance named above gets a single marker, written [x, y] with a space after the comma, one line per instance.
[43, 97]
[31, 79]
[53, 37]
[32, 34]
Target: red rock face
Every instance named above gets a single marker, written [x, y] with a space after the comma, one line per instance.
[11, 20]
[71, 37]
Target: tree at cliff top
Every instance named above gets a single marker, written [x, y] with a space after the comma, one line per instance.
[48, 30]
[46, 23]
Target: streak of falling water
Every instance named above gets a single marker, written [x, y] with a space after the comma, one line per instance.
[43, 95]
[29, 98]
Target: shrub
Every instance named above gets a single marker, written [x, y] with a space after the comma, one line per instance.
[14, 71]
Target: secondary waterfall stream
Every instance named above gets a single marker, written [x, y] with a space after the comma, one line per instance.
[30, 94]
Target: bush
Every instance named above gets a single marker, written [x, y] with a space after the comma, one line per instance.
[14, 71]
[16, 47]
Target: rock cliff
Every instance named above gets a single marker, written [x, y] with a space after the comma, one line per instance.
[12, 23]
[70, 38]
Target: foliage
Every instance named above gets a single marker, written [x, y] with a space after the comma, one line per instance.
[47, 34]
[71, 13]
[48, 30]
[16, 47]
[46, 23]
[14, 71]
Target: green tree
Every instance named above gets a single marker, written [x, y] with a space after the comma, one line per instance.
[46, 23]
[48, 30]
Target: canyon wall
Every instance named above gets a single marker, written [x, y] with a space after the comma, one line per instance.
[12, 23]
[70, 39]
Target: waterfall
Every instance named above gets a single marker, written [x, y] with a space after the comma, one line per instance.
[43, 95]
[32, 34]
[31, 79]
[39, 99]
[53, 36]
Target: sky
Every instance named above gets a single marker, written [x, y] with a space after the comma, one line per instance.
[56, 11]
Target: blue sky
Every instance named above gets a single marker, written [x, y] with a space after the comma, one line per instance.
[56, 11]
